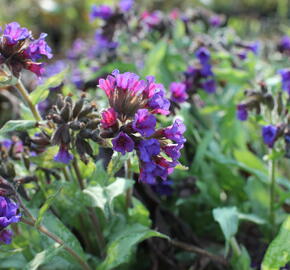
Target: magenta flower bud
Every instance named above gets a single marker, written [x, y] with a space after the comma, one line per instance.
[123, 143]
[144, 122]
[109, 118]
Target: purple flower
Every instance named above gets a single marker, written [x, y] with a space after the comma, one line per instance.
[206, 70]
[284, 44]
[103, 41]
[6, 236]
[123, 143]
[8, 214]
[203, 55]
[285, 76]
[39, 48]
[209, 86]
[14, 33]
[126, 5]
[102, 11]
[242, 113]
[144, 122]
[242, 54]
[172, 150]
[63, 155]
[175, 132]
[148, 148]
[216, 20]
[178, 92]
[253, 47]
[159, 103]
[269, 134]
[163, 188]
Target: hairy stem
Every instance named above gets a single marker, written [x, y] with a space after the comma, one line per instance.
[128, 175]
[23, 92]
[54, 237]
[272, 194]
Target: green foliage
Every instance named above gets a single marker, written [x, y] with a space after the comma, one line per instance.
[277, 254]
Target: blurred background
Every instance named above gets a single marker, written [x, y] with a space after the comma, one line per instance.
[64, 20]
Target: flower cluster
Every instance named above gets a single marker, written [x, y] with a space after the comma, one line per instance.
[8, 214]
[19, 50]
[200, 75]
[131, 123]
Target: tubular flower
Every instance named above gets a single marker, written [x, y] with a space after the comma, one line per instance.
[134, 102]
[102, 11]
[19, 50]
[269, 134]
[178, 92]
[285, 78]
[242, 113]
[8, 214]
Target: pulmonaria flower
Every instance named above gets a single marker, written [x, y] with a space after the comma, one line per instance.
[123, 143]
[63, 155]
[102, 11]
[216, 20]
[151, 19]
[242, 112]
[209, 86]
[109, 118]
[254, 47]
[269, 134]
[126, 5]
[178, 92]
[19, 50]
[144, 122]
[135, 102]
[284, 44]
[163, 188]
[203, 55]
[8, 214]
[285, 76]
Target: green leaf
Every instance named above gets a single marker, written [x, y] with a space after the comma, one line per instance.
[43, 257]
[116, 163]
[46, 206]
[227, 217]
[103, 197]
[154, 58]
[120, 248]
[278, 253]
[18, 125]
[41, 92]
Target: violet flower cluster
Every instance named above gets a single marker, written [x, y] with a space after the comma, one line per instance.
[201, 74]
[131, 123]
[8, 214]
[19, 50]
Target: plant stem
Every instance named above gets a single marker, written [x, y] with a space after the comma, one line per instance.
[54, 237]
[235, 246]
[272, 194]
[22, 90]
[94, 219]
[198, 250]
[128, 175]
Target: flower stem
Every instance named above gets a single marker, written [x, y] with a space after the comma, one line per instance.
[24, 93]
[272, 194]
[54, 237]
[128, 175]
